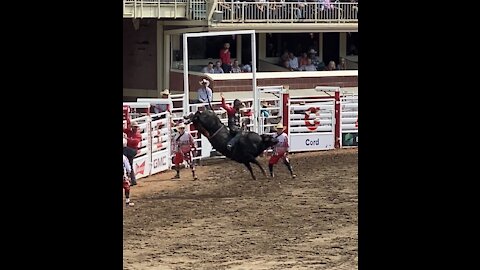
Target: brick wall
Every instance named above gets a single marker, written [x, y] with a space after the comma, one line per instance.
[176, 83]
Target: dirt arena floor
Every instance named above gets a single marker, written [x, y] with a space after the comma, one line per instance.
[226, 220]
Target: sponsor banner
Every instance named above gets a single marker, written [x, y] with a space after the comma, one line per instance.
[141, 166]
[160, 161]
[311, 142]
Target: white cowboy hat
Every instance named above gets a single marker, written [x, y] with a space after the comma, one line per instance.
[279, 126]
[312, 51]
[165, 92]
[204, 81]
[134, 124]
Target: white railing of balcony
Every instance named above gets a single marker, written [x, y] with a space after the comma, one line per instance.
[198, 10]
[139, 6]
[282, 12]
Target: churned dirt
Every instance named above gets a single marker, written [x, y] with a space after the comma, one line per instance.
[226, 220]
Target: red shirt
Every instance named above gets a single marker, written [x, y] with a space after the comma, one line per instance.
[133, 139]
[225, 56]
[230, 110]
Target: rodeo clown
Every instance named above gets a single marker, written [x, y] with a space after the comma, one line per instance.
[183, 146]
[127, 170]
[280, 151]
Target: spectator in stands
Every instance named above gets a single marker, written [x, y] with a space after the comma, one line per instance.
[205, 93]
[284, 57]
[218, 67]
[300, 9]
[235, 67]
[247, 67]
[130, 153]
[309, 66]
[286, 64]
[208, 68]
[342, 65]
[127, 170]
[293, 61]
[303, 60]
[312, 54]
[225, 57]
[331, 66]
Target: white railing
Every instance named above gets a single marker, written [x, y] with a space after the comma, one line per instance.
[281, 12]
[233, 11]
[153, 8]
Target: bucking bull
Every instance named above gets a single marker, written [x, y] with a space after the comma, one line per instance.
[246, 150]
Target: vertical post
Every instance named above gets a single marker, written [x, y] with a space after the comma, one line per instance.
[337, 119]
[262, 45]
[343, 45]
[160, 57]
[286, 110]
[167, 52]
[320, 46]
[185, 75]
[238, 39]
[254, 84]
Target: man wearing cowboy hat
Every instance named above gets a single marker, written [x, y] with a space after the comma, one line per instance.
[183, 146]
[204, 92]
[280, 151]
[159, 108]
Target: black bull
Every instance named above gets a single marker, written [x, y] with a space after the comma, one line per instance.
[248, 147]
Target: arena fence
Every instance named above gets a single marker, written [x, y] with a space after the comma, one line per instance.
[322, 122]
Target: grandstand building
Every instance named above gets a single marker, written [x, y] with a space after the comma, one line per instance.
[152, 44]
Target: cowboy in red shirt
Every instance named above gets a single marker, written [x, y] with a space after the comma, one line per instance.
[133, 135]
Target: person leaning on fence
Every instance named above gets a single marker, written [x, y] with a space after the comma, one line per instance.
[183, 146]
[133, 134]
[159, 108]
[205, 93]
[233, 120]
[280, 151]
[127, 170]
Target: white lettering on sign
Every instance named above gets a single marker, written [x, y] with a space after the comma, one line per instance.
[157, 162]
[312, 142]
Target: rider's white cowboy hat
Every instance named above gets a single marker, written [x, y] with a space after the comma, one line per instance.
[134, 124]
[204, 81]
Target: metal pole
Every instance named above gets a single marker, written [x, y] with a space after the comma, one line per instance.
[185, 76]
[255, 104]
